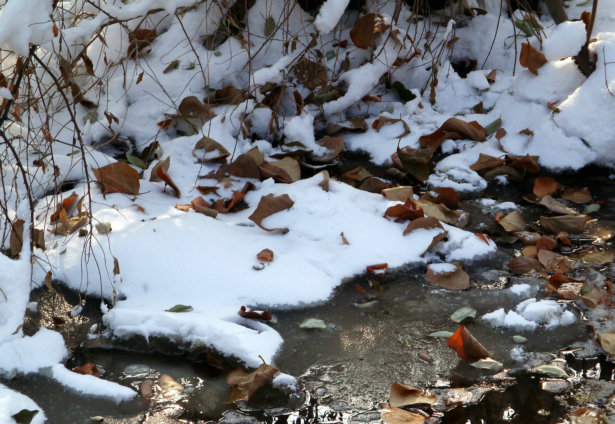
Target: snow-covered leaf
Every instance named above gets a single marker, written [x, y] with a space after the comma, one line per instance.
[313, 323]
[454, 278]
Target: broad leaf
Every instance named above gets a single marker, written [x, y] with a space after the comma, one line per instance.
[118, 177]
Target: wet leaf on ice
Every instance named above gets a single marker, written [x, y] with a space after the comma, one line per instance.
[462, 314]
[416, 162]
[180, 308]
[593, 297]
[265, 255]
[546, 243]
[454, 279]
[531, 58]
[488, 364]
[402, 395]
[607, 341]
[313, 324]
[87, 369]
[118, 177]
[264, 315]
[576, 195]
[466, 346]
[170, 387]
[24, 416]
[594, 256]
[208, 149]
[551, 261]
[392, 415]
[573, 224]
[160, 173]
[544, 186]
[564, 286]
[366, 28]
[269, 205]
[513, 222]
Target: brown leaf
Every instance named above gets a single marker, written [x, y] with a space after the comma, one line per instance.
[573, 224]
[594, 256]
[544, 186]
[594, 297]
[486, 162]
[244, 166]
[38, 237]
[445, 195]
[527, 162]
[16, 239]
[366, 28]
[87, 369]
[227, 96]
[465, 130]
[564, 286]
[344, 239]
[208, 149]
[382, 121]
[500, 133]
[576, 195]
[324, 184]
[442, 213]
[146, 388]
[311, 74]
[355, 175]
[466, 346]
[546, 243]
[118, 177]
[399, 194]
[508, 171]
[434, 140]
[393, 415]
[483, 237]
[264, 315]
[373, 185]
[356, 124]
[200, 205]
[416, 162]
[524, 265]
[265, 255]
[67, 226]
[140, 39]
[427, 223]
[406, 212]
[556, 206]
[269, 205]
[513, 222]
[205, 190]
[402, 395]
[554, 262]
[286, 170]
[192, 108]
[607, 341]
[335, 145]
[530, 251]
[453, 280]
[377, 269]
[244, 384]
[159, 173]
[531, 58]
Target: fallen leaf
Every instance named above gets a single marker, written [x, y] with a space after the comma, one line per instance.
[38, 237]
[488, 364]
[524, 265]
[103, 227]
[550, 370]
[193, 109]
[531, 58]
[270, 26]
[544, 186]
[607, 341]
[207, 149]
[406, 212]
[469, 130]
[118, 177]
[169, 386]
[356, 175]
[344, 239]
[593, 297]
[546, 243]
[373, 185]
[427, 223]
[455, 279]
[264, 315]
[466, 346]
[180, 308]
[594, 256]
[439, 211]
[146, 388]
[286, 170]
[486, 162]
[205, 190]
[593, 208]
[200, 205]
[269, 205]
[356, 124]
[87, 369]
[265, 255]
[160, 173]
[399, 194]
[416, 162]
[393, 415]
[445, 195]
[140, 39]
[513, 222]
[574, 224]
[366, 28]
[227, 96]
[25, 416]
[402, 395]
[493, 127]
[324, 184]
[527, 162]
[463, 313]
[564, 286]
[556, 206]
[576, 195]
[483, 237]
[16, 238]
[530, 251]
[554, 262]
[69, 204]
[226, 205]
[313, 324]
[335, 146]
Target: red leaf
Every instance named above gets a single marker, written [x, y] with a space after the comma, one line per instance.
[545, 186]
[466, 346]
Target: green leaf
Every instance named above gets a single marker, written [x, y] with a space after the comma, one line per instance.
[463, 314]
[594, 207]
[313, 323]
[24, 416]
[519, 339]
[269, 26]
[526, 27]
[550, 370]
[330, 54]
[441, 334]
[217, 53]
[493, 127]
[488, 364]
[180, 308]
[402, 92]
[136, 161]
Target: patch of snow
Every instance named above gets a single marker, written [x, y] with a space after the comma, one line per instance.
[530, 314]
[520, 289]
[90, 385]
[565, 40]
[329, 15]
[442, 268]
[11, 402]
[30, 354]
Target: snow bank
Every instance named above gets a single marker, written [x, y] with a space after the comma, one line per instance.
[530, 314]
[90, 385]
[329, 15]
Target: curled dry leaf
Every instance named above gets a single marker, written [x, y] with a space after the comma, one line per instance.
[406, 212]
[264, 315]
[513, 222]
[442, 213]
[200, 205]
[527, 163]
[69, 205]
[140, 39]
[486, 162]
[377, 269]
[87, 369]
[356, 124]
[366, 28]
[402, 395]
[556, 206]
[335, 145]
[457, 279]
[551, 261]
[531, 58]
[160, 173]
[572, 224]
[466, 346]
[244, 384]
[544, 186]
[454, 129]
[576, 195]
[399, 194]
[244, 166]
[118, 177]
[355, 176]
[269, 205]
[265, 255]
[324, 184]
[226, 205]
[392, 415]
[428, 223]
[207, 149]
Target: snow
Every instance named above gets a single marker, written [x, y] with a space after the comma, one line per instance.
[566, 40]
[23, 22]
[329, 15]
[530, 314]
[443, 268]
[90, 385]
[11, 402]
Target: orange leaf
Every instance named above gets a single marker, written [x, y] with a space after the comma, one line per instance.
[118, 177]
[264, 315]
[466, 346]
[265, 255]
[87, 369]
[545, 186]
[365, 28]
[200, 205]
[531, 58]
[377, 269]
[159, 173]
[483, 237]
[269, 205]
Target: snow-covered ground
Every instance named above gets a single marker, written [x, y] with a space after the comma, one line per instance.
[168, 256]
